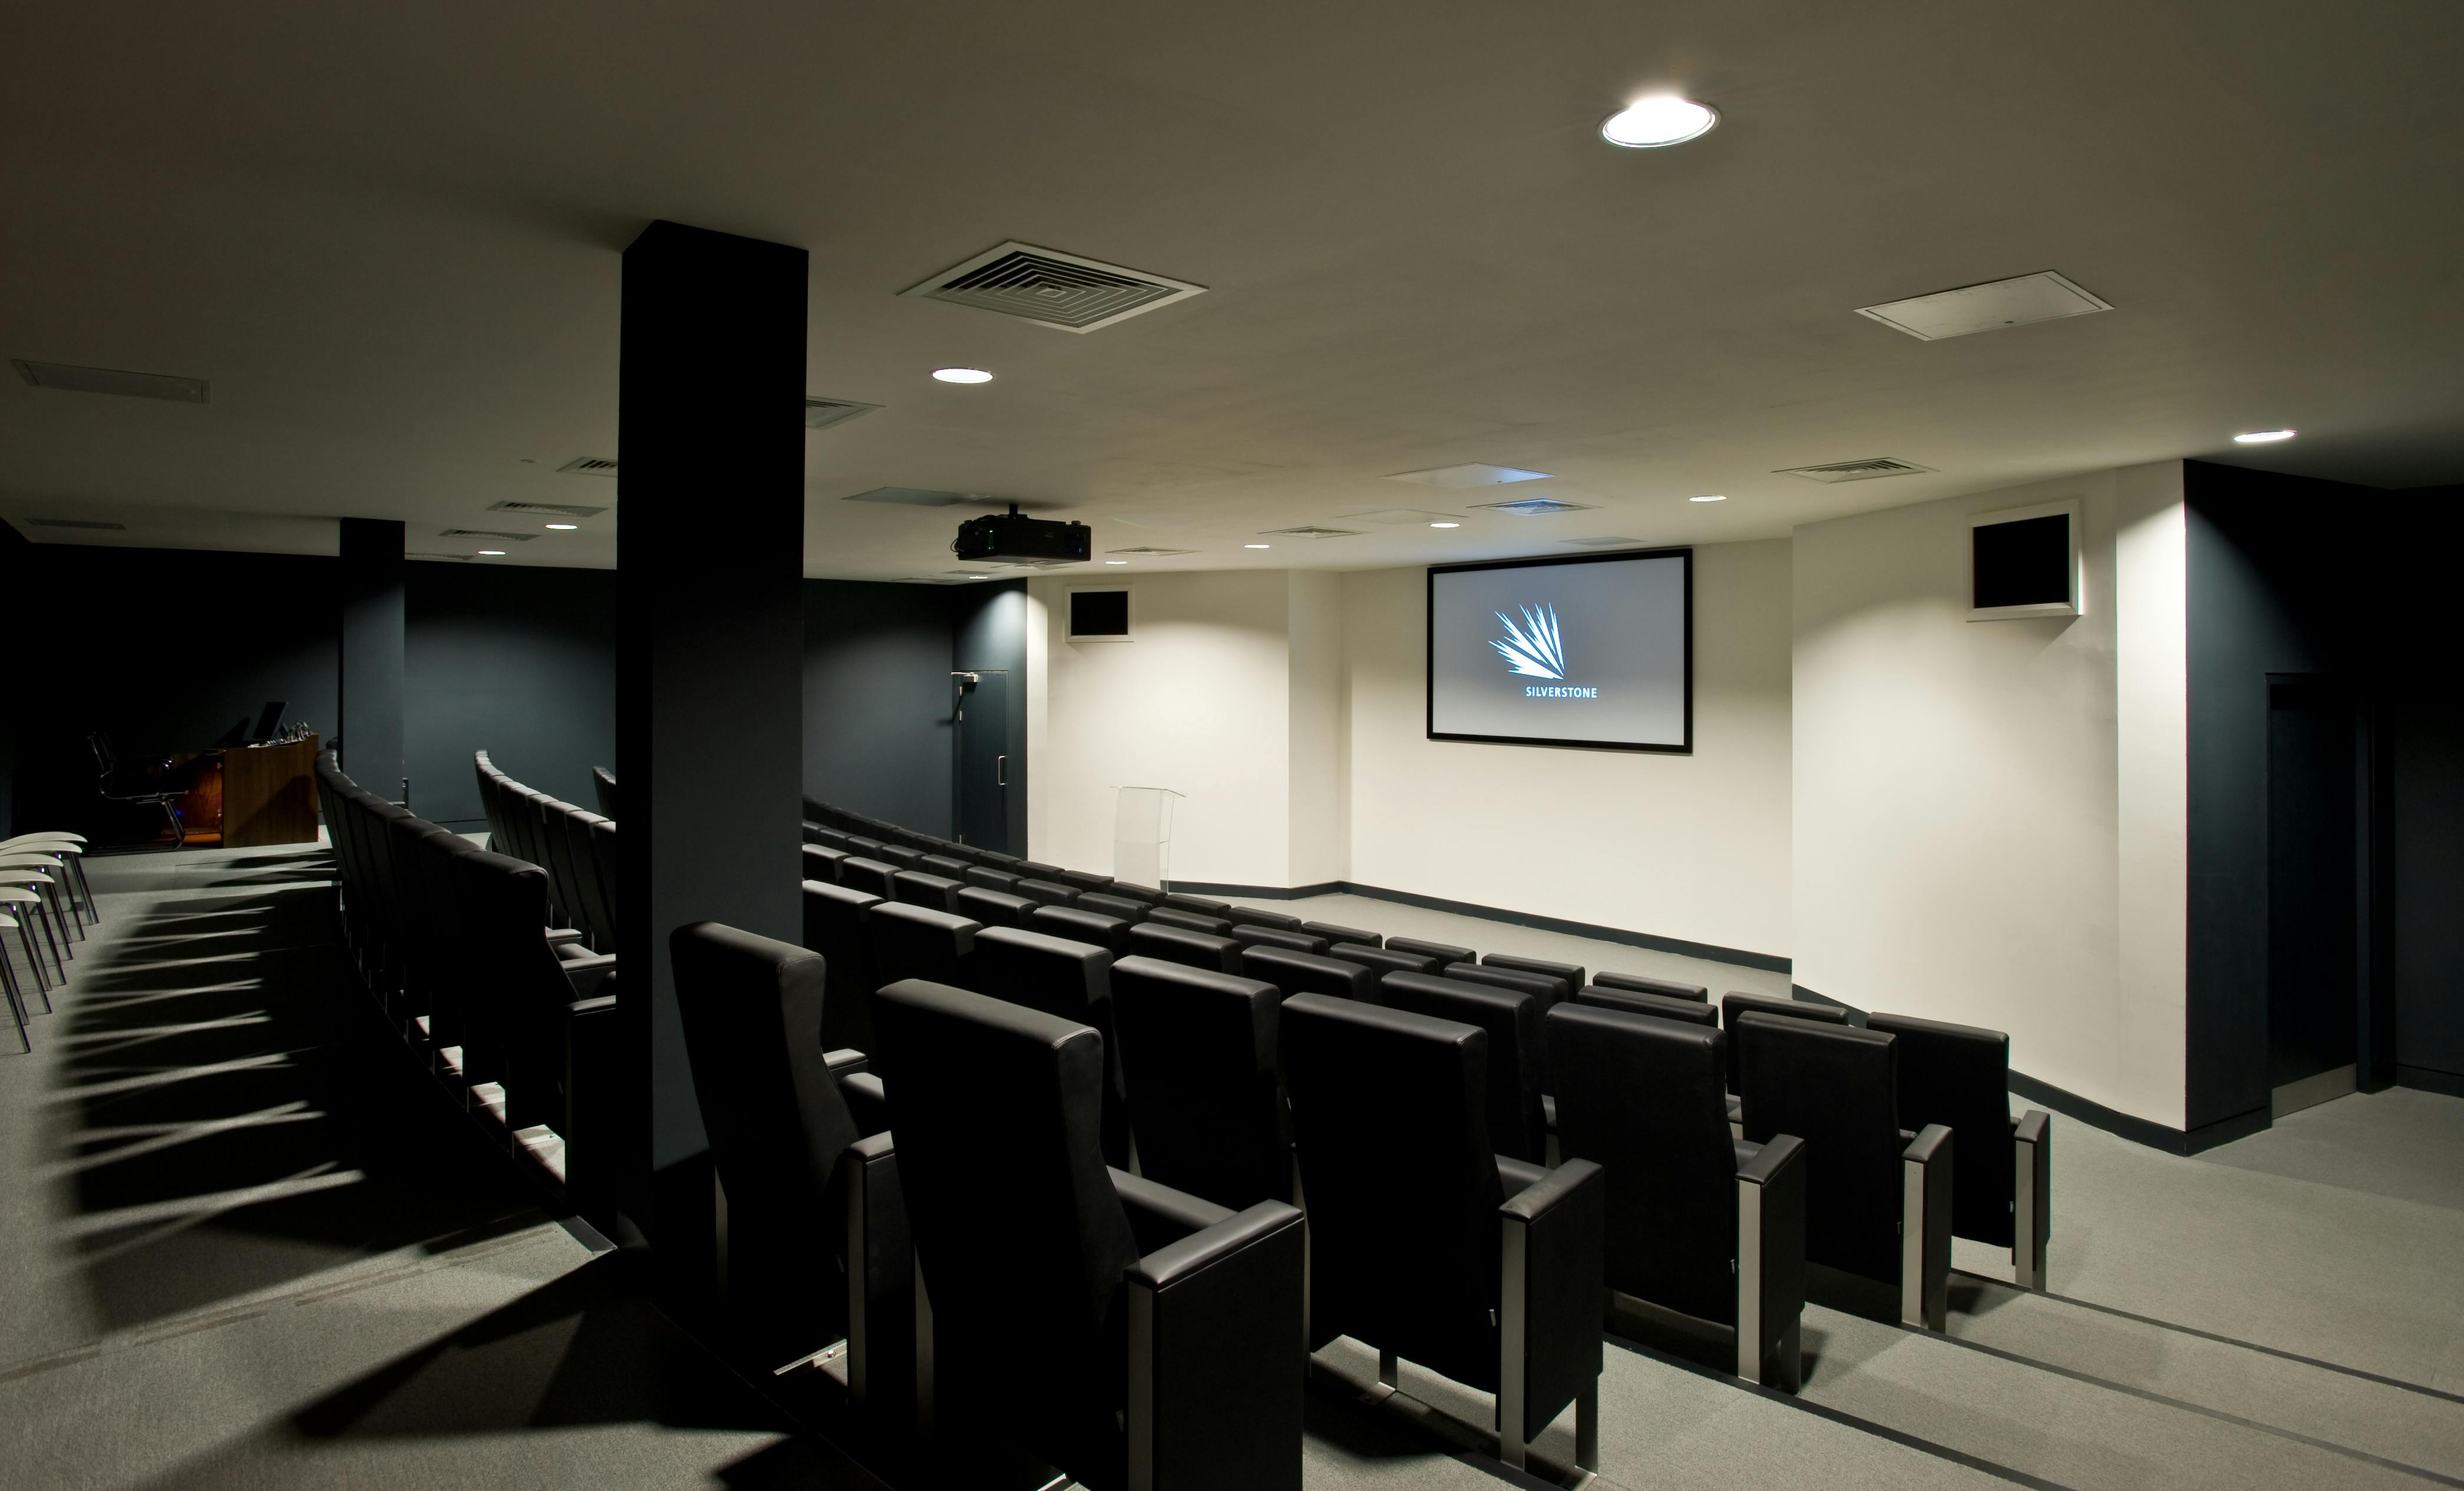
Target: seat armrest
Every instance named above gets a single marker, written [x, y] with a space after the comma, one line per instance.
[1214, 1353]
[846, 1062]
[560, 935]
[1160, 1215]
[587, 974]
[1771, 1261]
[880, 1262]
[868, 1101]
[2032, 1197]
[1550, 1299]
[1925, 1229]
[592, 1102]
[1518, 1175]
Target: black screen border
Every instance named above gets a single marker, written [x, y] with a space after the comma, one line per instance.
[1429, 650]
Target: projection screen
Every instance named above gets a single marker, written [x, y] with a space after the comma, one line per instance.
[1597, 651]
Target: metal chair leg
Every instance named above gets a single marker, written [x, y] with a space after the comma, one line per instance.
[16, 996]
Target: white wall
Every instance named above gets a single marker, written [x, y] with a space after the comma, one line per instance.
[1968, 843]
[1200, 702]
[1692, 847]
[1319, 755]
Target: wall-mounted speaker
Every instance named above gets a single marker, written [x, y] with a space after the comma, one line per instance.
[2024, 563]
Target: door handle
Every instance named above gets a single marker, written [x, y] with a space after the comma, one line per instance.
[1000, 772]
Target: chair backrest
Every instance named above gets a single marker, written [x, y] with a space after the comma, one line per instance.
[1084, 880]
[821, 863]
[752, 1011]
[1080, 925]
[1180, 901]
[452, 982]
[989, 879]
[1296, 973]
[1444, 952]
[917, 888]
[1019, 1234]
[871, 876]
[1571, 972]
[603, 782]
[1198, 1055]
[1132, 890]
[1646, 1099]
[1048, 893]
[516, 981]
[1389, 1118]
[1196, 921]
[1517, 1124]
[950, 867]
[1251, 916]
[1180, 945]
[1069, 979]
[994, 908]
[838, 926]
[603, 853]
[1640, 984]
[1734, 1006]
[1121, 907]
[595, 904]
[904, 857]
[918, 942]
[1548, 990]
[1343, 934]
[1276, 937]
[1383, 961]
[1959, 1076]
[1685, 1011]
[1836, 1087]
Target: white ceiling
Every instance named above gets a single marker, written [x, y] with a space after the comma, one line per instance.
[391, 237]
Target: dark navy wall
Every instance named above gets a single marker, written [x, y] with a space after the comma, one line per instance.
[990, 635]
[518, 661]
[877, 700]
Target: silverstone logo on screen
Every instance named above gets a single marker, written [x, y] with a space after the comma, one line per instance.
[1536, 649]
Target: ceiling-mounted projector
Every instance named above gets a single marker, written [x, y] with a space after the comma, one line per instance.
[1012, 537]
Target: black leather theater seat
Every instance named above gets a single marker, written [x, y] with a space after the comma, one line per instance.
[1517, 1126]
[994, 908]
[1306, 974]
[1196, 921]
[1080, 924]
[1275, 937]
[1640, 984]
[1180, 945]
[1444, 952]
[1206, 1100]
[1959, 1076]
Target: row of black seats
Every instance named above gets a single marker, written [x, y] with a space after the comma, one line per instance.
[511, 1015]
[576, 847]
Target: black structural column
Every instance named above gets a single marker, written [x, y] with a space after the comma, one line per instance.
[710, 660]
[369, 690]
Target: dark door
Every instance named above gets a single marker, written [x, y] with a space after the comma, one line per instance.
[983, 763]
[2313, 873]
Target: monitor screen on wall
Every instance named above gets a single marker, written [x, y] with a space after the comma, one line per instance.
[1597, 651]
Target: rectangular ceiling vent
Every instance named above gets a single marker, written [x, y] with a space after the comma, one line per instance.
[590, 466]
[484, 533]
[1599, 542]
[2020, 301]
[822, 413]
[1866, 470]
[913, 496]
[1308, 532]
[1471, 475]
[1150, 550]
[460, 558]
[70, 379]
[1052, 289]
[559, 509]
[1535, 507]
[88, 524]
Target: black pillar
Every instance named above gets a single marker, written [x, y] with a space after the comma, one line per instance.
[368, 694]
[710, 643]
[16, 570]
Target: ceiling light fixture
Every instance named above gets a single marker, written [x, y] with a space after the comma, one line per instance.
[492, 553]
[962, 375]
[1716, 497]
[1117, 560]
[1664, 119]
[980, 578]
[1257, 545]
[564, 527]
[2264, 436]
[1445, 526]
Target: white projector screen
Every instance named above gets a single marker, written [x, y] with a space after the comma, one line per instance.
[1597, 651]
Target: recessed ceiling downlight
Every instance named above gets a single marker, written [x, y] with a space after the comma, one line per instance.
[962, 375]
[564, 527]
[1715, 496]
[2264, 436]
[1445, 526]
[1661, 120]
[492, 553]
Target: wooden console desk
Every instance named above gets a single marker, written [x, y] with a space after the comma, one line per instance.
[269, 795]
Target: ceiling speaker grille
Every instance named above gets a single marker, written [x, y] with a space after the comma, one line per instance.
[1866, 470]
[561, 509]
[71, 379]
[1052, 289]
[1148, 549]
[1535, 506]
[590, 466]
[483, 534]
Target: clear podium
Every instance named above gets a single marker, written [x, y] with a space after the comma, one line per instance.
[1142, 834]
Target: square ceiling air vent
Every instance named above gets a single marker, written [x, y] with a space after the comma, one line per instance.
[912, 497]
[1309, 532]
[1052, 289]
[85, 524]
[1150, 550]
[590, 466]
[1470, 475]
[484, 533]
[559, 509]
[1990, 306]
[1535, 507]
[822, 413]
[68, 378]
[1866, 470]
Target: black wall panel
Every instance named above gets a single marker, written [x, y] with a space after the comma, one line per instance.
[877, 700]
